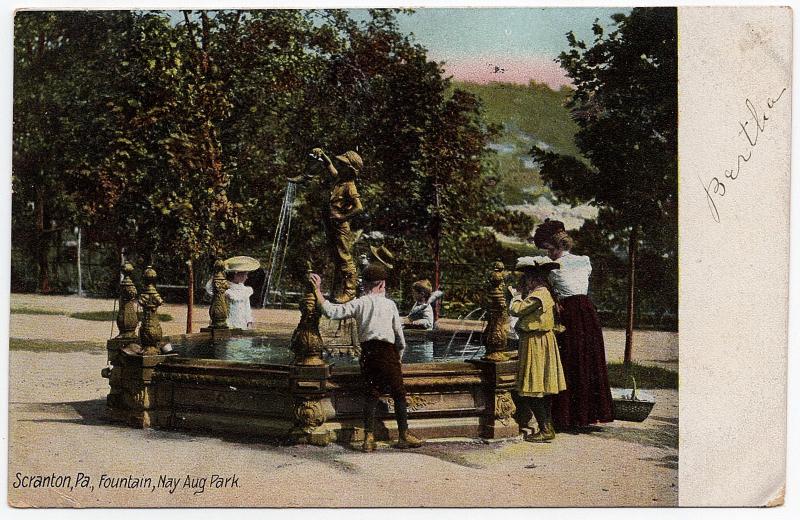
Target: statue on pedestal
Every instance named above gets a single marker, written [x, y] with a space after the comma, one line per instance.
[344, 204]
[218, 310]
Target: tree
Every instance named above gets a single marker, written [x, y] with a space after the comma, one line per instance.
[186, 126]
[625, 103]
[51, 52]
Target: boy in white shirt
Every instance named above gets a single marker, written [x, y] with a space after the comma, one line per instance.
[382, 343]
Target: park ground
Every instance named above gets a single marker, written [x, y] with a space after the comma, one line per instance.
[57, 425]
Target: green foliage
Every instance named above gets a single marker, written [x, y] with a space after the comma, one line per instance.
[172, 137]
[183, 132]
[529, 112]
[646, 376]
[528, 115]
[35, 310]
[625, 105]
[52, 51]
[38, 345]
[110, 316]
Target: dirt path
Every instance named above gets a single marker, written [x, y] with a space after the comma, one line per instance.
[57, 426]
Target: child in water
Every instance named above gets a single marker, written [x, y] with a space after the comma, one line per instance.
[421, 314]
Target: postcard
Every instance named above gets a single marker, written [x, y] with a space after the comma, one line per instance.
[430, 257]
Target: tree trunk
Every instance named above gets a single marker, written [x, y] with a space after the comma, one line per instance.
[437, 238]
[436, 271]
[189, 296]
[633, 246]
[42, 245]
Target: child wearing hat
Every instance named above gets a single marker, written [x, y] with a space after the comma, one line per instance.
[382, 343]
[421, 314]
[237, 268]
[540, 374]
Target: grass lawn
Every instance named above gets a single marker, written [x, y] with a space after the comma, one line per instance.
[35, 310]
[39, 345]
[109, 316]
[646, 376]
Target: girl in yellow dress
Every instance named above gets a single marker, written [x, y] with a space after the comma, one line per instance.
[539, 373]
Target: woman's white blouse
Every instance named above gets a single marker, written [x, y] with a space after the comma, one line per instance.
[572, 277]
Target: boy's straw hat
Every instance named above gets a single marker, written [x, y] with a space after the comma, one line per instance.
[241, 264]
[535, 266]
[351, 158]
[382, 255]
[424, 286]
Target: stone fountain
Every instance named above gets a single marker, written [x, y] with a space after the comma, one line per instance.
[289, 386]
[300, 393]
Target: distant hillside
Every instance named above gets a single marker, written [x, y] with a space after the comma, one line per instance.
[529, 115]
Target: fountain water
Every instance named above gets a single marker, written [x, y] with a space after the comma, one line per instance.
[279, 246]
[460, 328]
[469, 339]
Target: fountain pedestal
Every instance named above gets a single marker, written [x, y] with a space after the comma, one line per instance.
[310, 389]
[133, 399]
[497, 421]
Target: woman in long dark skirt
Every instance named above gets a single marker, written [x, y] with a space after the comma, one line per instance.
[587, 399]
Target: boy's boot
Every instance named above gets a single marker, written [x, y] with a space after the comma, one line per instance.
[549, 432]
[369, 424]
[541, 420]
[406, 439]
[369, 442]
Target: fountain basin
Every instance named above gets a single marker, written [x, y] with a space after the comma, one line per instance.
[212, 382]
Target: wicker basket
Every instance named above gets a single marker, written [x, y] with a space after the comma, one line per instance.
[631, 404]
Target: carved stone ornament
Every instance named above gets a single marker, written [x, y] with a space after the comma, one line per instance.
[504, 407]
[495, 335]
[309, 415]
[413, 401]
[127, 320]
[150, 332]
[218, 311]
[306, 341]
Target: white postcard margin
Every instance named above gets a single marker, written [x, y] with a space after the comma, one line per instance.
[734, 97]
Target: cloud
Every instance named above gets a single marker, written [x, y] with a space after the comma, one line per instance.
[572, 217]
[519, 70]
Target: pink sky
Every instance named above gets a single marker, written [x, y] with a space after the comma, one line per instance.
[515, 70]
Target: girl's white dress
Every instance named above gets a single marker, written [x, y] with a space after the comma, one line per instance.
[239, 311]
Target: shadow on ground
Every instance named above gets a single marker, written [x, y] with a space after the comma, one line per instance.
[664, 436]
[93, 413]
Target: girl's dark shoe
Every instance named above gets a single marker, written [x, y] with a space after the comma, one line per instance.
[549, 432]
[536, 437]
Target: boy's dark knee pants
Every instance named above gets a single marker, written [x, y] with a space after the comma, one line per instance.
[380, 367]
